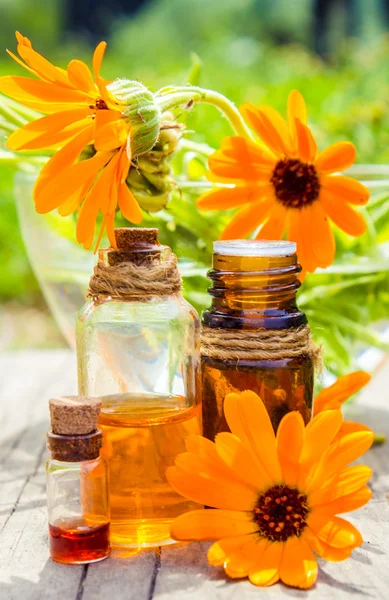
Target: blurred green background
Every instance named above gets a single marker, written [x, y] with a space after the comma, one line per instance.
[334, 51]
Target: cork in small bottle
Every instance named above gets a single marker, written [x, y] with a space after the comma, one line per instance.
[74, 436]
[138, 245]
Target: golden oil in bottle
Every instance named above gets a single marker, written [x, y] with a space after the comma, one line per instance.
[142, 437]
[138, 350]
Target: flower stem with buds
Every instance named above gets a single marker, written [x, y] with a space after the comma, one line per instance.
[173, 96]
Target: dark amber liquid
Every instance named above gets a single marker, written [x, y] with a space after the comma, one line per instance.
[76, 543]
[255, 293]
[283, 386]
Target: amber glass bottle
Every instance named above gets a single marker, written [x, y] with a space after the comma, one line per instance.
[254, 285]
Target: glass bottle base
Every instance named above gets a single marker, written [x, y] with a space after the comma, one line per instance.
[80, 562]
[141, 533]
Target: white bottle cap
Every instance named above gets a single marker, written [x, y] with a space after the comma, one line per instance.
[263, 248]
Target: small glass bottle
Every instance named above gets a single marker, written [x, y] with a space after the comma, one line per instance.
[254, 285]
[138, 349]
[77, 483]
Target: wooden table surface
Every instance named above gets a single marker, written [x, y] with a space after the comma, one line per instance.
[27, 380]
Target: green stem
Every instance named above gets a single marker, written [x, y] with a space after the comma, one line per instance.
[7, 127]
[172, 97]
[10, 115]
[196, 147]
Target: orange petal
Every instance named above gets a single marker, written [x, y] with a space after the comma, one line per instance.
[340, 391]
[72, 203]
[203, 490]
[86, 223]
[351, 427]
[197, 444]
[241, 460]
[233, 169]
[210, 470]
[63, 158]
[337, 157]
[298, 566]
[249, 420]
[241, 149]
[346, 503]
[241, 559]
[335, 532]
[128, 205]
[267, 570]
[341, 452]
[319, 433]
[306, 239]
[53, 139]
[104, 184]
[81, 77]
[226, 197]
[111, 136]
[98, 56]
[318, 236]
[290, 439]
[306, 145]
[296, 109]
[294, 234]
[109, 221]
[21, 63]
[22, 39]
[247, 219]
[41, 95]
[212, 525]
[340, 213]
[275, 226]
[42, 67]
[24, 137]
[67, 182]
[219, 551]
[270, 127]
[345, 482]
[345, 189]
[324, 550]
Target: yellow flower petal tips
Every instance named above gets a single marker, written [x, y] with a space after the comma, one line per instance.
[275, 498]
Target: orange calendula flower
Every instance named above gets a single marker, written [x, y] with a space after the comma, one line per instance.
[80, 110]
[276, 498]
[284, 186]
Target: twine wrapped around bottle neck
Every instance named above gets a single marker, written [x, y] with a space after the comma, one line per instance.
[259, 344]
[127, 280]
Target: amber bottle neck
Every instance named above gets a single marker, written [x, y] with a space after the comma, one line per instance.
[250, 292]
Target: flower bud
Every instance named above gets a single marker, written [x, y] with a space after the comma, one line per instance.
[141, 111]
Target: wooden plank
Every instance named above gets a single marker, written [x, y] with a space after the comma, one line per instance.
[123, 575]
[27, 381]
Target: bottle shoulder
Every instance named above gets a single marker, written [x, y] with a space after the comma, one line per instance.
[154, 308]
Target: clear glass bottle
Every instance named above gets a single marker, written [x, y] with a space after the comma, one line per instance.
[77, 491]
[254, 285]
[140, 354]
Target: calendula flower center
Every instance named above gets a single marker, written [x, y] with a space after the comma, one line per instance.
[101, 104]
[296, 184]
[281, 512]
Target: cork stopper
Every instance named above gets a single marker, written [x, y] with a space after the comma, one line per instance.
[128, 237]
[74, 415]
[138, 245]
